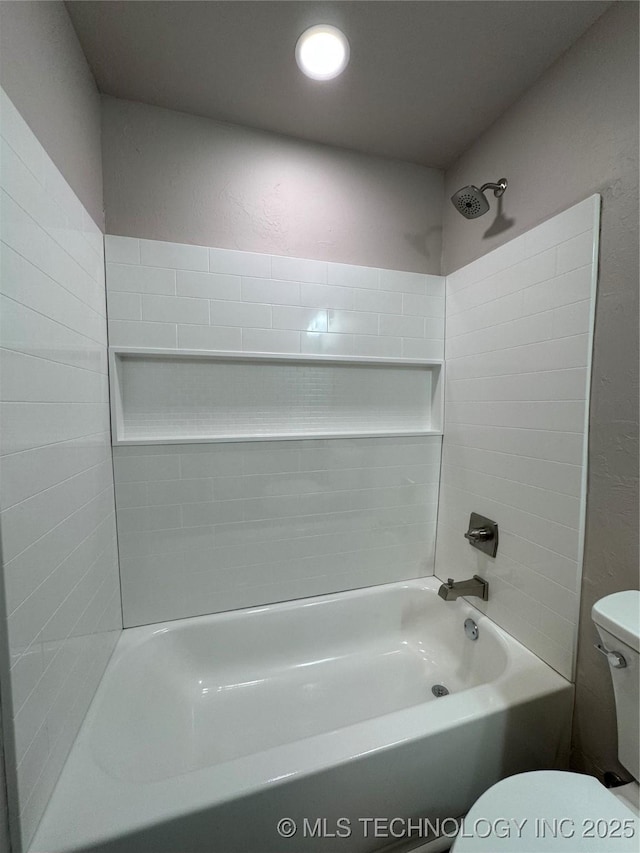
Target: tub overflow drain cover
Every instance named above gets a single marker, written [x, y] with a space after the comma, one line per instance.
[439, 690]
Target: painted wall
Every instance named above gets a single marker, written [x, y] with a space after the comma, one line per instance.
[210, 527]
[575, 133]
[44, 72]
[4, 816]
[60, 574]
[176, 177]
[518, 346]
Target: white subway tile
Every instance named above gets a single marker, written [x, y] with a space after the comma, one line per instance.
[209, 337]
[268, 291]
[124, 306]
[25, 378]
[24, 283]
[401, 326]
[247, 314]
[325, 296]
[166, 572]
[137, 279]
[512, 280]
[31, 765]
[132, 494]
[436, 285]
[58, 189]
[210, 463]
[381, 302]
[239, 263]
[574, 253]
[348, 275]
[501, 310]
[404, 282]
[427, 349]
[57, 522]
[16, 133]
[373, 346]
[34, 242]
[323, 343]
[175, 309]
[92, 233]
[157, 466]
[423, 306]
[121, 250]
[517, 354]
[177, 256]
[300, 319]
[434, 329]
[270, 340]
[180, 491]
[550, 385]
[525, 330]
[208, 285]
[564, 226]
[572, 319]
[542, 473]
[299, 269]
[554, 354]
[202, 514]
[129, 333]
[26, 191]
[149, 518]
[353, 322]
[571, 287]
[557, 415]
[25, 474]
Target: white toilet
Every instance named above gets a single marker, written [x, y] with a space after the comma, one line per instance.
[553, 810]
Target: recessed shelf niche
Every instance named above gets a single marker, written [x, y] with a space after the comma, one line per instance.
[181, 396]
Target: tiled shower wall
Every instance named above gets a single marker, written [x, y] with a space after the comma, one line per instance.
[212, 527]
[61, 588]
[194, 297]
[518, 352]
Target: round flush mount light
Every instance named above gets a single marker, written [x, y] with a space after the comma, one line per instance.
[322, 52]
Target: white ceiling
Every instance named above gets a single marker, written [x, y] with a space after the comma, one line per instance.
[425, 78]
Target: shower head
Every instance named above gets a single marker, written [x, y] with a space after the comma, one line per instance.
[471, 202]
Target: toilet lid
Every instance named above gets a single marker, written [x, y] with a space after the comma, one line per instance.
[554, 811]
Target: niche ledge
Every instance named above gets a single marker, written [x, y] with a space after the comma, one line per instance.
[168, 396]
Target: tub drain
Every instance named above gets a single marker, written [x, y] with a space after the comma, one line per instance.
[439, 690]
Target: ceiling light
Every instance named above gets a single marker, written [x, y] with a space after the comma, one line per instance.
[322, 52]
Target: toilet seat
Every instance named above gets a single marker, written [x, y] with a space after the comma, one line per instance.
[562, 812]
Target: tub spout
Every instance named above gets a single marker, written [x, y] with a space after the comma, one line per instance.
[474, 586]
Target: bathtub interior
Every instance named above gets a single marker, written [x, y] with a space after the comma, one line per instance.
[208, 690]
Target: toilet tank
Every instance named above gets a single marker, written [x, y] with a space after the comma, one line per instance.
[617, 618]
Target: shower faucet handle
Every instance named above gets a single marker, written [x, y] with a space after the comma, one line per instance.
[479, 534]
[482, 534]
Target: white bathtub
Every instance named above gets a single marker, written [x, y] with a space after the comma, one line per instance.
[205, 732]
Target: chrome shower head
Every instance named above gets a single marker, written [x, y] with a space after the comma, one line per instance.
[471, 202]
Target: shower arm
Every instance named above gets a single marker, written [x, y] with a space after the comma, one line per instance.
[498, 188]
